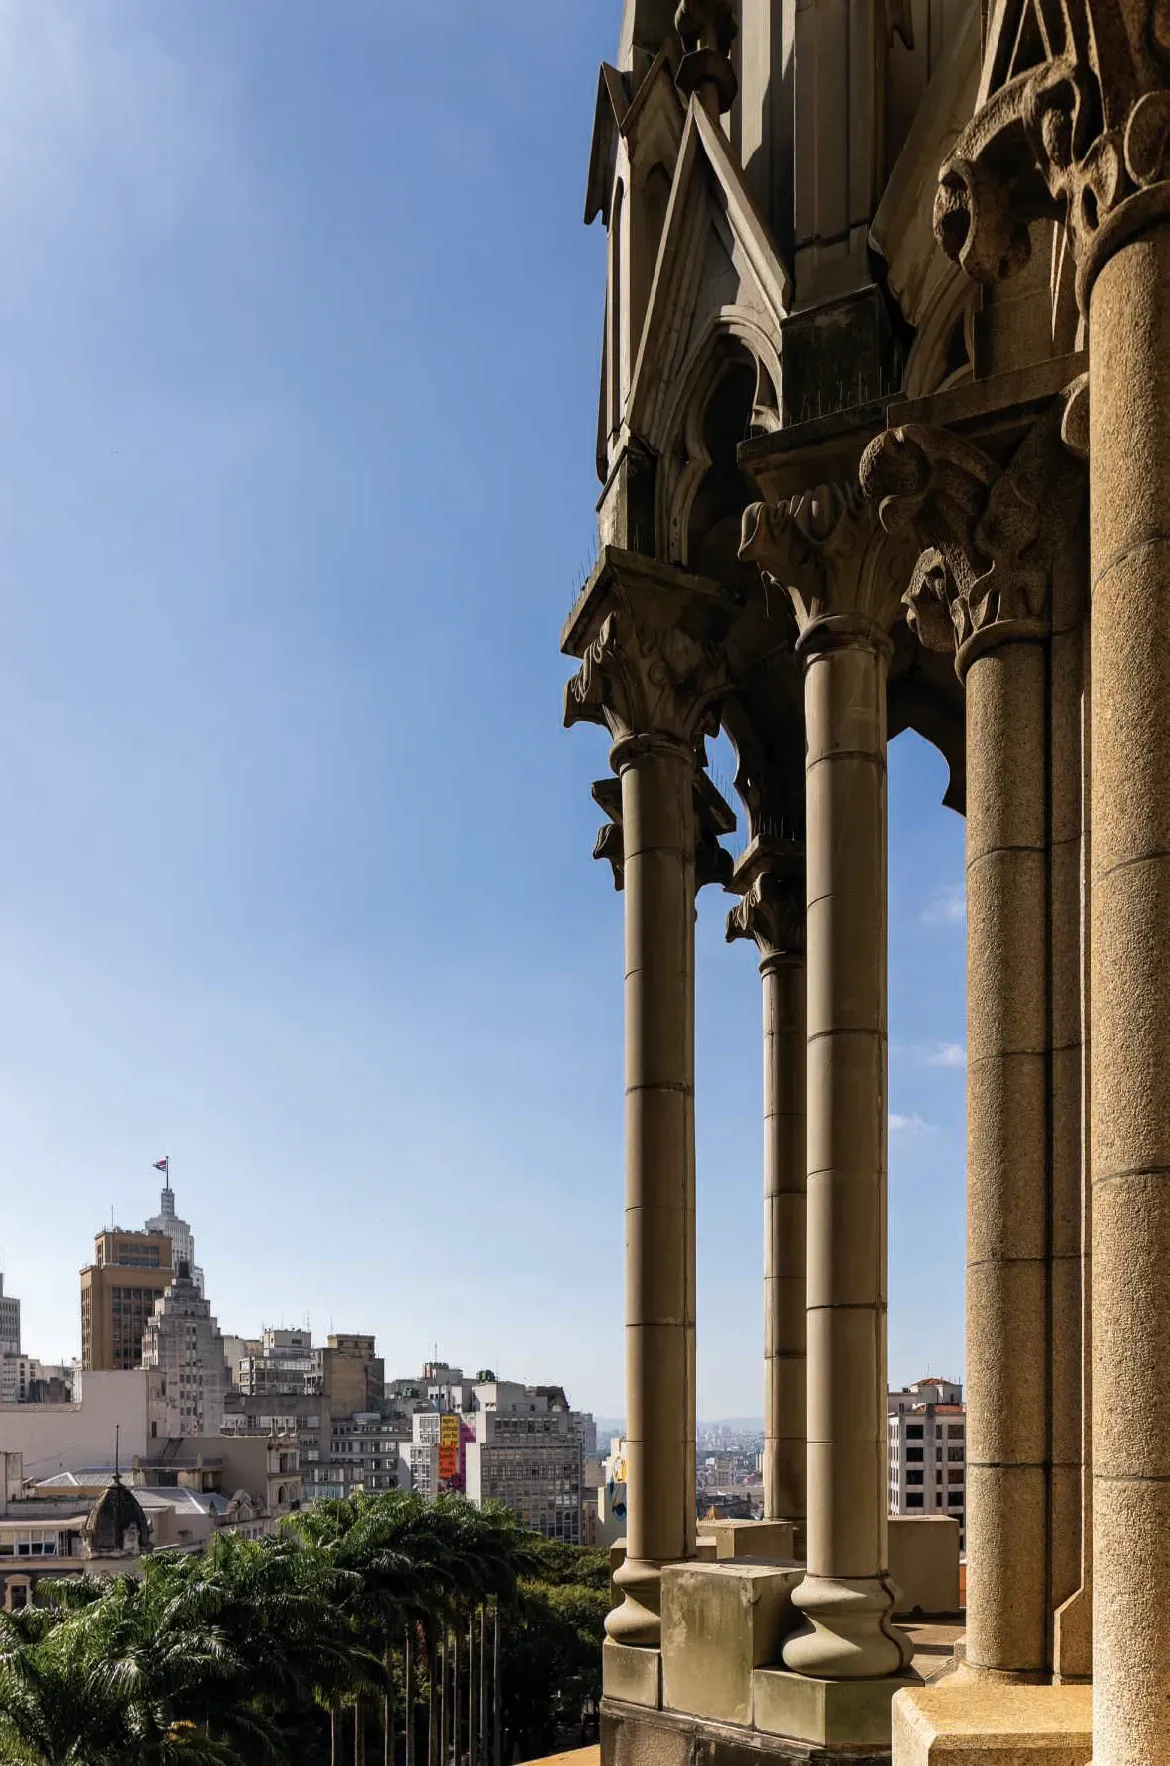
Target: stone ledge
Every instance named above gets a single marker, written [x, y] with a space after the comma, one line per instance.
[633, 1737]
[965, 1720]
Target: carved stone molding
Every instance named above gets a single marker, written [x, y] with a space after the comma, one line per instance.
[707, 29]
[772, 909]
[1072, 123]
[988, 532]
[826, 547]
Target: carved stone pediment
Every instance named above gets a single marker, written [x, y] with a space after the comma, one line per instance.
[1072, 123]
[718, 267]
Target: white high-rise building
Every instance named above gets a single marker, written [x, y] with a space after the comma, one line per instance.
[927, 1433]
[9, 1322]
[178, 1231]
[183, 1341]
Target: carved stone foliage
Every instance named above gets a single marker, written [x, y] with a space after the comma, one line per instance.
[772, 909]
[1072, 123]
[987, 532]
[828, 550]
[713, 862]
[646, 678]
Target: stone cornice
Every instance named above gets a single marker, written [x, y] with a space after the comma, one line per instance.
[770, 878]
[986, 532]
[651, 643]
[1072, 124]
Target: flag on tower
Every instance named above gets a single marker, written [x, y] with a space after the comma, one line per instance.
[163, 1165]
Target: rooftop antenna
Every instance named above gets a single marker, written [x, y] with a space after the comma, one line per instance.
[117, 1447]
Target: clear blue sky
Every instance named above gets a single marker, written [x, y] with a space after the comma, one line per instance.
[299, 333]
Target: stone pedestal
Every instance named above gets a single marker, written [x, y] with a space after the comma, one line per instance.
[719, 1623]
[834, 1713]
[1004, 1725]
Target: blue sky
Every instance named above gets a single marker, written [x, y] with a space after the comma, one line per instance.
[299, 333]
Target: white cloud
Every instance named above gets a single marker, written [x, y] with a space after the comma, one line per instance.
[942, 1054]
[912, 1124]
[947, 909]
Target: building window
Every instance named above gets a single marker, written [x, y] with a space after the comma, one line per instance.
[913, 1477]
[914, 1499]
[914, 1431]
[914, 1455]
[954, 1499]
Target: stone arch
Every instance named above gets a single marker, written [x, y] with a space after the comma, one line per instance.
[727, 392]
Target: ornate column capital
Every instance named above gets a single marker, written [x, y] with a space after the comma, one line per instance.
[987, 532]
[770, 877]
[1072, 123]
[653, 661]
[827, 549]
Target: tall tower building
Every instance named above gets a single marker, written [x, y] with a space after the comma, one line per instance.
[177, 1230]
[9, 1322]
[118, 1291]
[183, 1341]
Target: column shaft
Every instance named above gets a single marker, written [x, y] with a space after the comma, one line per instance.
[845, 1595]
[785, 1167]
[1130, 978]
[657, 775]
[1008, 1161]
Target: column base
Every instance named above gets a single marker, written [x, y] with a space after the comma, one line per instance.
[953, 1725]
[636, 1622]
[776, 1540]
[848, 1633]
[844, 1713]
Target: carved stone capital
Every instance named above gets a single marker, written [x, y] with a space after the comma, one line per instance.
[1072, 123]
[987, 532]
[652, 644]
[827, 549]
[770, 875]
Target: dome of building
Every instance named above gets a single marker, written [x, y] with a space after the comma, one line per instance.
[117, 1523]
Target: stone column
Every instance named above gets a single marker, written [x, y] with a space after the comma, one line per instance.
[654, 686]
[981, 591]
[1085, 136]
[771, 874]
[824, 547]
[1130, 983]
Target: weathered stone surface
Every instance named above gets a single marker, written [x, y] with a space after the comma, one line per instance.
[832, 1712]
[967, 1720]
[631, 1674]
[719, 1623]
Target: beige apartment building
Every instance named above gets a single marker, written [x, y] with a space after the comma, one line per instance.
[118, 1291]
[883, 443]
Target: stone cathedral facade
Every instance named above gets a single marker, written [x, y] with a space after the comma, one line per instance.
[884, 443]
